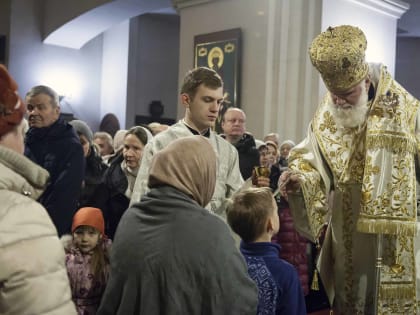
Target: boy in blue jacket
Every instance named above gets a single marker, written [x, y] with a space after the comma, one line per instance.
[252, 214]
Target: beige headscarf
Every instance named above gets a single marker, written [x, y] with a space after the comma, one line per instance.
[189, 165]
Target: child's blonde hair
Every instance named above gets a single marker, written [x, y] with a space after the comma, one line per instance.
[248, 212]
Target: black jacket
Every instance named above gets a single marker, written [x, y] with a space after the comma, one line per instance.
[110, 195]
[248, 154]
[94, 174]
[57, 148]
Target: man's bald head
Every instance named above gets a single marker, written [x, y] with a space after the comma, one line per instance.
[233, 124]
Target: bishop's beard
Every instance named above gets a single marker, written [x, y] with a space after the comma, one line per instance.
[350, 116]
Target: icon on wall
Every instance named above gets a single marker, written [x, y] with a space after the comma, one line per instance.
[221, 51]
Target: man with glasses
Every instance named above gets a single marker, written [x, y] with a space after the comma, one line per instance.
[234, 131]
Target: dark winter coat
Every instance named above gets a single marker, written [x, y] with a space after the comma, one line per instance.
[57, 148]
[94, 174]
[110, 195]
[248, 154]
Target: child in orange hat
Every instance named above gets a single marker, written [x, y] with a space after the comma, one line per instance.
[87, 259]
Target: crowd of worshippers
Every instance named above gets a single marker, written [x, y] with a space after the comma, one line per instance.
[179, 219]
[143, 215]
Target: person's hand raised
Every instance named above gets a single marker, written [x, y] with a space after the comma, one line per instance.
[288, 183]
[261, 176]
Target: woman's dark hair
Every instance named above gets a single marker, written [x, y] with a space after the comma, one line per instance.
[139, 132]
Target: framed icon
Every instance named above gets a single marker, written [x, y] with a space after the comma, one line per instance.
[221, 51]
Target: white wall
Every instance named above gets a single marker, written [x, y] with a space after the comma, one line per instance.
[380, 28]
[114, 72]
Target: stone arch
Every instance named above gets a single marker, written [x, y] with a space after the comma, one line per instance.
[73, 23]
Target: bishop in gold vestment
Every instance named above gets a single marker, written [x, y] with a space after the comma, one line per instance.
[355, 173]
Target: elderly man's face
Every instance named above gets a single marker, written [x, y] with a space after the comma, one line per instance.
[41, 111]
[350, 108]
[233, 123]
[349, 98]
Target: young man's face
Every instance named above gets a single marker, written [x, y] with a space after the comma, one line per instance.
[203, 109]
[41, 112]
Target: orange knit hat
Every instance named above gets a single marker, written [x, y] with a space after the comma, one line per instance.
[89, 216]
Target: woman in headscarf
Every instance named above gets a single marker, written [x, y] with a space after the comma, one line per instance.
[33, 278]
[285, 148]
[172, 256]
[114, 193]
[94, 166]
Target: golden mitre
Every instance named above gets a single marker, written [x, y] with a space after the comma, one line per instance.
[339, 55]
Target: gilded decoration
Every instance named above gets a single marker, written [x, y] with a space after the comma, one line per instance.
[339, 55]
[391, 144]
[348, 225]
[378, 157]
[328, 123]
[343, 148]
[398, 282]
[313, 191]
[389, 197]
[388, 142]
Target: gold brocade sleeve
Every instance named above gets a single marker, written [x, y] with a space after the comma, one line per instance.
[309, 207]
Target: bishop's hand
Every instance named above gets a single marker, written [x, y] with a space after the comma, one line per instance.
[288, 183]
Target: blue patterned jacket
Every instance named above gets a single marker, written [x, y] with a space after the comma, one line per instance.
[279, 289]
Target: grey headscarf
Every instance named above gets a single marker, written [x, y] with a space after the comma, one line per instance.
[82, 128]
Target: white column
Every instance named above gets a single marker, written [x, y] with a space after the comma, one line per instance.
[291, 89]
